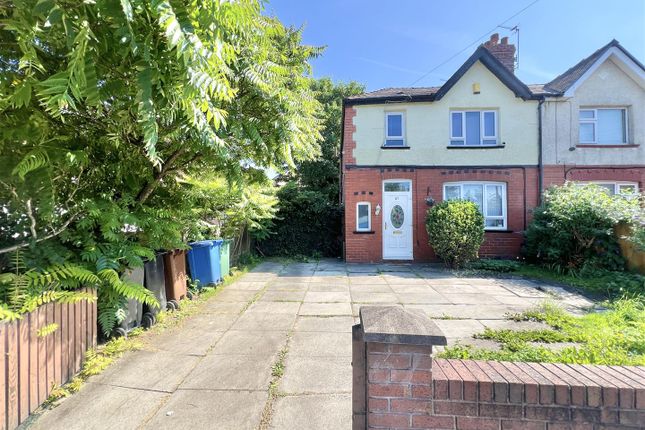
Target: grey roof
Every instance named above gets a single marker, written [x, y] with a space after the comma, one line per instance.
[556, 87]
[562, 83]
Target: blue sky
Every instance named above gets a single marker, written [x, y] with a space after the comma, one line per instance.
[390, 44]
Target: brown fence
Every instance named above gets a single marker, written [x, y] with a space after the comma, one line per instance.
[635, 258]
[34, 364]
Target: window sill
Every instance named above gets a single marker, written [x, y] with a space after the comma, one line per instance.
[498, 231]
[364, 232]
[475, 146]
[394, 147]
[593, 145]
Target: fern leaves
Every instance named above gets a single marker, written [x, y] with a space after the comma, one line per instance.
[33, 160]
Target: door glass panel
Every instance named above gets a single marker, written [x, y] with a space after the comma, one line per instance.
[397, 186]
[587, 132]
[494, 200]
[474, 193]
[472, 128]
[397, 216]
[453, 192]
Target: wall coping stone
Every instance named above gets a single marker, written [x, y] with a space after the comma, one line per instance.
[394, 324]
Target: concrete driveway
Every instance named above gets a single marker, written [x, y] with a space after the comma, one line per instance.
[273, 350]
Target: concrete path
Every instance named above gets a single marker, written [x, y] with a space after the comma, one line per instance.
[273, 350]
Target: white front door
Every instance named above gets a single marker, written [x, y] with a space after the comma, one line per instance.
[397, 220]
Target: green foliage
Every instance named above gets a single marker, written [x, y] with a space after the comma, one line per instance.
[501, 266]
[309, 218]
[456, 231]
[613, 337]
[306, 223]
[131, 126]
[574, 226]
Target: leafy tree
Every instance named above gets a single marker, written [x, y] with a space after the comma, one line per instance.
[106, 107]
[309, 218]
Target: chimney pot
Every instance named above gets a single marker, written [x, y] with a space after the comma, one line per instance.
[505, 40]
[494, 38]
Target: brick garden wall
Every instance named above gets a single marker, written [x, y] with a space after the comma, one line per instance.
[403, 388]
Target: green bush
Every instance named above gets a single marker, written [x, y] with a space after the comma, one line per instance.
[502, 266]
[456, 231]
[573, 228]
[306, 224]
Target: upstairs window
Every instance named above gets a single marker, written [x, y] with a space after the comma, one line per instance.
[490, 197]
[394, 129]
[603, 126]
[363, 216]
[473, 128]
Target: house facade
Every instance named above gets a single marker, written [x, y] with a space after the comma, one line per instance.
[485, 136]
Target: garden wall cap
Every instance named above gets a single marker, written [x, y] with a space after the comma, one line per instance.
[393, 324]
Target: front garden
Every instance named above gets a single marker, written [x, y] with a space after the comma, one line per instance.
[572, 241]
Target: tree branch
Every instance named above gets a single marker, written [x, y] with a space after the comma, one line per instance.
[147, 191]
[54, 233]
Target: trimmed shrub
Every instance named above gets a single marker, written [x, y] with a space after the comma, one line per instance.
[456, 231]
[573, 228]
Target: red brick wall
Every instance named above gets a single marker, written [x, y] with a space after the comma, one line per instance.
[557, 175]
[365, 184]
[348, 137]
[406, 389]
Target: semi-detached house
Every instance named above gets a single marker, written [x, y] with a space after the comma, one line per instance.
[486, 136]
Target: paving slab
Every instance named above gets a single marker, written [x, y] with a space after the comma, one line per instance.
[275, 307]
[320, 344]
[327, 297]
[328, 324]
[327, 309]
[459, 328]
[248, 286]
[307, 375]
[216, 307]
[99, 407]
[370, 288]
[230, 372]
[264, 321]
[328, 288]
[471, 299]
[412, 289]
[186, 341]
[210, 410]
[514, 325]
[363, 297]
[147, 370]
[427, 297]
[313, 412]
[233, 295]
[237, 342]
[282, 296]
[362, 268]
[288, 286]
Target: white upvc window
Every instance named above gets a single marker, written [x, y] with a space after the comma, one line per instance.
[603, 126]
[394, 129]
[622, 188]
[473, 128]
[490, 198]
[363, 216]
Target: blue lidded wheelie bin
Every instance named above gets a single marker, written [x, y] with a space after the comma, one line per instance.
[204, 262]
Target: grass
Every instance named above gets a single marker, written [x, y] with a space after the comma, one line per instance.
[613, 337]
[99, 358]
[611, 285]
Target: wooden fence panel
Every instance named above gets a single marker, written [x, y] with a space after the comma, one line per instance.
[31, 365]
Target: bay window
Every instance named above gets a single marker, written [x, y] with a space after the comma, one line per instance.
[490, 198]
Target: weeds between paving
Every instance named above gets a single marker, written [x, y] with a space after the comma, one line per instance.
[99, 358]
[277, 371]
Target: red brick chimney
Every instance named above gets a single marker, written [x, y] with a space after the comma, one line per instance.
[504, 52]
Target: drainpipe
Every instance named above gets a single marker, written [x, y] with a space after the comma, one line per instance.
[340, 176]
[540, 164]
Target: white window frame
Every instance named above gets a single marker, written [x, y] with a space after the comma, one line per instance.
[369, 217]
[504, 215]
[616, 185]
[387, 131]
[482, 136]
[594, 121]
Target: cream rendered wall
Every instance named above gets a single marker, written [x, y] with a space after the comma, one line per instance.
[427, 127]
[608, 86]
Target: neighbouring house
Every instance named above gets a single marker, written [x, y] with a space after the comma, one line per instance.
[486, 136]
